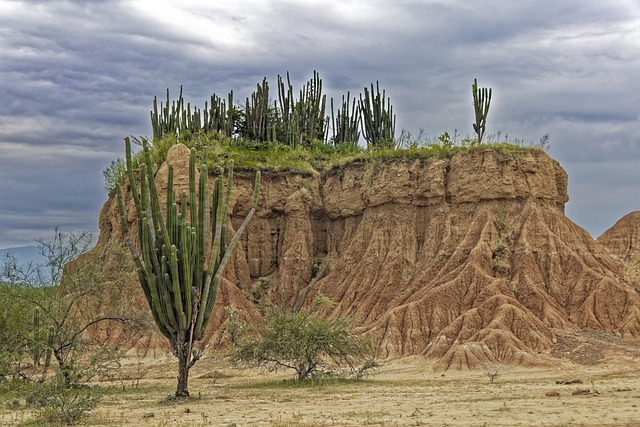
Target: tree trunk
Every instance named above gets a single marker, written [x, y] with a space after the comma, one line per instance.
[63, 367]
[183, 371]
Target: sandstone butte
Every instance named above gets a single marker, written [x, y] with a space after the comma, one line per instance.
[466, 261]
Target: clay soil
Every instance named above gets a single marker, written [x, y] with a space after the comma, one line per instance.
[595, 376]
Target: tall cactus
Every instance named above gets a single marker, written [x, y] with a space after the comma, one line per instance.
[286, 117]
[167, 120]
[181, 255]
[481, 101]
[378, 120]
[36, 349]
[345, 123]
[302, 119]
[257, 112]
[219, 117]
[310, 109]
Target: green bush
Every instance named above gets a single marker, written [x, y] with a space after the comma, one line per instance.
[62, 405]
[306, 343]
[113, 174]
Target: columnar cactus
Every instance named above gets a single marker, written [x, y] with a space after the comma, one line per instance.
[181, 255]
[303, 119]
[378, 120]
[257, 112]
[481, 101]
[219, 118]
[310, 110]
[167, 120]
[346, 123]
[36, 349]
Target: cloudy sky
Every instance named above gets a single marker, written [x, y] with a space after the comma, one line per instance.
[76, 77]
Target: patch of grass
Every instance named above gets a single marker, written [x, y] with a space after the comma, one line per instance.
[316, 157]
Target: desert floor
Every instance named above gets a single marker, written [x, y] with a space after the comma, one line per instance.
[401, 392]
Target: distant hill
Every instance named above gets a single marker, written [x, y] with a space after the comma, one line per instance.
[25, 255]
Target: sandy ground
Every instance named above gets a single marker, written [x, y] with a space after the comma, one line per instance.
[403, 392]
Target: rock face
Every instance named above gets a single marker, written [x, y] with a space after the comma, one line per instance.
[468, 260]
[623, 242]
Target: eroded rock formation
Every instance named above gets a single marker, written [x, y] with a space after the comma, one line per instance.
[468, 260]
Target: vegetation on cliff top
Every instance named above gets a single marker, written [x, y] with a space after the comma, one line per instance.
[295, 133]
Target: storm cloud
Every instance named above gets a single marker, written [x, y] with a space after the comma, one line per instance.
[76, 77]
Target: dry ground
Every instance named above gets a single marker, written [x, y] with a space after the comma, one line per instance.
[402, 392]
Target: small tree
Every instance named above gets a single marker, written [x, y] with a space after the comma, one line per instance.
[307, 343]
[180, 257]
[66, 301]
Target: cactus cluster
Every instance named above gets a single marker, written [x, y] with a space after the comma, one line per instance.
[258, 126]
[346, 122]
[294, 119]
[301, 119]
[173, 118]
[378, 120]
[180, 255]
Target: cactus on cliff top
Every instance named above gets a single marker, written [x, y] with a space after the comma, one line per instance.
[378, 120]
[181, 255]
[346, 122]
[481, 101]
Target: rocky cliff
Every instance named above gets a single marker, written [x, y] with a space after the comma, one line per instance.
[468, 260]
[623, 243]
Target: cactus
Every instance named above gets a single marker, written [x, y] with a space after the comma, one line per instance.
[257, 111]
[346, 123]
[301, 119]
[180, 257]
[286, 117]
[309, 111]
[165, 121]
[36, 350]
[481, 101]
[378, 120]
[219, 118]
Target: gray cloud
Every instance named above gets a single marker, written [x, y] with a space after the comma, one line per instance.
[76, 77]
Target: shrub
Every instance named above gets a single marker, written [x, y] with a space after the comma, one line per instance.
[113, 174]
[60, 404]
[307, 343]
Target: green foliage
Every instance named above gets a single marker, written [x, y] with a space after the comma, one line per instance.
[180, 257]
[15, 330]
[234, 326]
[60, 404]
[51, 322]
[306, 343]
[113, 174]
